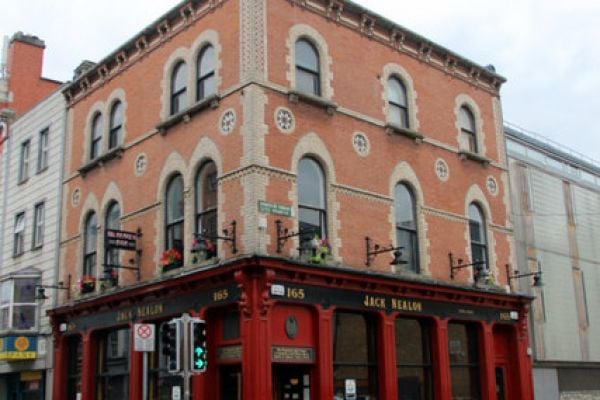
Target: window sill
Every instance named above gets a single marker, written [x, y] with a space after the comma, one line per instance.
[328, 105]
[468, 155]
[41, 170]
[22, 181]
[393, 129]
[117, 152]
[185, 115]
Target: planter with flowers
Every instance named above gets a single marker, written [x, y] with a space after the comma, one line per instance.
[86, 284]
[202, 249]
[316, 251]
[170, 259]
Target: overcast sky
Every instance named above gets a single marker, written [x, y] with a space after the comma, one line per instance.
[547, 49]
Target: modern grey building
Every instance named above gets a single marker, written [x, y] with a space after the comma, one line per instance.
[556, 208]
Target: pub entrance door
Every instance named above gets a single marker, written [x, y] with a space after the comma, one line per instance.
[291, 382]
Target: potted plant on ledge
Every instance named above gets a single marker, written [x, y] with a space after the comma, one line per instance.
[317, 251]
[170, 259]
[86, 284]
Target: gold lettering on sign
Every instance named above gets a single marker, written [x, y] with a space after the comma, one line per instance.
[294, 293]
[468, 312]
[407, 305]
[295, 354]
[220, 295]
[374, 302]
[149, 311]
[123, 316]
[505, 316]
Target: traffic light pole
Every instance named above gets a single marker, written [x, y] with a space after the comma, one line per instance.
[185, 318]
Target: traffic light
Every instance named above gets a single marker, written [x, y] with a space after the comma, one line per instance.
[170, 339]
[198, 346]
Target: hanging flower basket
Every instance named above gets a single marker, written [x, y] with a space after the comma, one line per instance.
[170, 259]
[202, 249]
[317, 251]
[86, 284]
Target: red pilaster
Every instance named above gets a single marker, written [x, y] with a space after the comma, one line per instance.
[324, 373]
[256, 339]
[88, 369]
[59, 384]
[136, 373]
[441, 360]
[487, 362]
[387, 356]
[524, 365]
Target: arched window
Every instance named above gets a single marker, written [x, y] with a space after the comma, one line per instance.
[116, 125]
[406, 226]
[397, 103]
[179, 88]
[96, 139]
[478, 236]
[205, 67]
[312, 213]
[113, 221]
[308, 74]
[468, 130]
[174, 218]
[90, 244]
[206, 199]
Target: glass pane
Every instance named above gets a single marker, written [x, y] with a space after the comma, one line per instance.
[4, 318]
[410, 251]
[307, 56]
[415, 384]
[175, 199]
[351, 340]
[97, 127]
[116, 115]
[462, 344]
[206, 188]
[465, 383]
[365, 377]
[6, 291]
[307, 82]
[179, 78]
[412, 342]
[207, 87]
[91, 230]
[20, 223]
[24, 317]
[405, 208]
[25, 290]
[466, 120]
[113, 217]
[398, 116]
[396, 92]
[311, 184]
[206, 62]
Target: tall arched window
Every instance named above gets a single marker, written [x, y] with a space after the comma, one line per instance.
[96, 139]
[397, 103]
[406, 226]
[113, 221]
[205, 67]
[116, 125]
[468, 130]
[206, 199]
[179, 88]
[174, 218]
[478, 236]
[312, 213]
[308, 74]
[90, 244]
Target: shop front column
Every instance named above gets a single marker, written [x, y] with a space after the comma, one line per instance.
[488, 363]
[441, 359]
[88, 368]
[59, 387]
[136, 372]
[324, 372]
[524, 365]
[387, 358]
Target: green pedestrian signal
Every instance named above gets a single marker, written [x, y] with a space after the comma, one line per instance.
[198, 346]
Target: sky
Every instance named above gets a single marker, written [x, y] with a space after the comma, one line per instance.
[546, 49]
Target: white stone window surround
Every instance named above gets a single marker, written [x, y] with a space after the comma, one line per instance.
[190, 56]
[393, 70]
[475, 195]
[104, 108]
[404, 173]
[464, 100]
[307, 32]
[311, 146]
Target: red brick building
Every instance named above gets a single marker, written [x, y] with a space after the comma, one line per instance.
[270, 158]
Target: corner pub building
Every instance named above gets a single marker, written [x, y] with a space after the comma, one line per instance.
[261, 163]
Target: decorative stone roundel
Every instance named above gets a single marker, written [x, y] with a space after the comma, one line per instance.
[361, 144]
[227, 124]
[141, 164]
[76, 197]
[492, 185]
[441, 170]
[284, 119]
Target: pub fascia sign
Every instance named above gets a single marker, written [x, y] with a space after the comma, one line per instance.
[15, 348]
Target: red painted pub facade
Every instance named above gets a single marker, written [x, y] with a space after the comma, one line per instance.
[261, 163]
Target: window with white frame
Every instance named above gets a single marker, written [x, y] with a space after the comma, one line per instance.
[312, 206]
[90, 245]
[24, 161]
[38, 225]
[478, 236]
[308, 70]
[96, 139]
[468, 130]
[115, 136]
[406, 226]
[19, 234]
[17, 303]
[205, 69]
[397, 103]
[179, 88]
[43, 139]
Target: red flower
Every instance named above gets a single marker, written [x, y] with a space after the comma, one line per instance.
[170, 256]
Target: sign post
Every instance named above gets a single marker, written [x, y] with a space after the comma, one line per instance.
[144, 336]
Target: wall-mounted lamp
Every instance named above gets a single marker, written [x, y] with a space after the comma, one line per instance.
[537, 276]
[40, 290]
[202, 246]
[283, 234]
[481, 271]
[377, 249]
